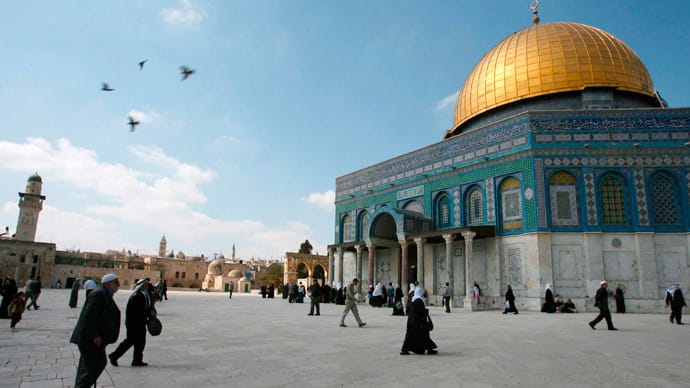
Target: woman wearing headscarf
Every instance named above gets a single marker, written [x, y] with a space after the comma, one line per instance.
[549, 305]
[339, 294]
[419, 325]
[510, 300]
[74, 294]
[397, 301]
[674, 297]
[377, 296]
[620, 300]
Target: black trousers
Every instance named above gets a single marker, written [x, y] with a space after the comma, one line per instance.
[91, 364]
[314, 302]
[603, 314]
[136, 336]
[446, 301]
[677, 313]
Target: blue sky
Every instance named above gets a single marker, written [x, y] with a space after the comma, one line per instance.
[287, 96]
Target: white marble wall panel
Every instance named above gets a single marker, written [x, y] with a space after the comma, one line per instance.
[350, 267]
[568, 270]
[383, 266]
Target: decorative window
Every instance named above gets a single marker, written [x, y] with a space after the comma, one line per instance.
[414, 206]
[348, 228]
[563, 199]
[363, 222]
[511, 204]
[475, 207]
[613, 203]
[443, 211]
[664, 199]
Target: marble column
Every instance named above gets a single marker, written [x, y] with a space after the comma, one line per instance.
[469, 283]
[370, 266]
[331, 267]
[403, 269]
[358, 264]
[450, 260]
[339, 252]
[420, 260]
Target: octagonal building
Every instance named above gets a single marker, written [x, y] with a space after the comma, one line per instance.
[563, 166]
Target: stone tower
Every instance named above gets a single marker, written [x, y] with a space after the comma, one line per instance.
[162, 247]
[30, 204]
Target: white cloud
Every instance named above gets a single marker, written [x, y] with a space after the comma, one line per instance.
[185, 14]
[324, 201]
[112, 205]
[447, 101]
[143, 117]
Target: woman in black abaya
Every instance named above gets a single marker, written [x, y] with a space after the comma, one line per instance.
[417, 337]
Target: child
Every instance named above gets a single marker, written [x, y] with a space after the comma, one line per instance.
[16, 309]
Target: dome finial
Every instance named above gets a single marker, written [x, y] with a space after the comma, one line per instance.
[533, 6]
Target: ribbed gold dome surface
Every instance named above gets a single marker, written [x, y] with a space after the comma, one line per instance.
[549, 58]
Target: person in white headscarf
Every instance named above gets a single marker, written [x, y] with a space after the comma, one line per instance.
[674, 298]
[549, 305]
[339, 294]
[377, 296]
[417, 338]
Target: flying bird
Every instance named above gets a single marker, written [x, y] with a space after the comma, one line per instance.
[106, 87]
[141, 64]
[186, 72]
[132, 124]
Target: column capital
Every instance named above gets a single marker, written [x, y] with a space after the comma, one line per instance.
[403, 243]
[419, 240]
[359, 248]
[331, 250]
[468, 235]
[448, 237]
[339, 250]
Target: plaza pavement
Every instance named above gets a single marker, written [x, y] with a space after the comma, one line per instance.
[211, 341]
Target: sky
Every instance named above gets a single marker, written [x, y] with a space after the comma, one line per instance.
[287, 95]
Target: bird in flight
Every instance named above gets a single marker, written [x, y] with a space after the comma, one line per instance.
[186, 72]
[132, 124]
[141, 64]
[106, 87]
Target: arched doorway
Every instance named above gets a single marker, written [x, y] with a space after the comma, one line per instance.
[302, 271]
[319, 273]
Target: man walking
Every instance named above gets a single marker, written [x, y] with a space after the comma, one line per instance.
[315, 295]
[230, 287]
[447, 296]
[601, 300]
[674, 297]
[98, 326]
[136, 316]
[32, 290]
[351, 303]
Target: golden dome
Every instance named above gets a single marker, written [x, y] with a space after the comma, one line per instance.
[549, 58]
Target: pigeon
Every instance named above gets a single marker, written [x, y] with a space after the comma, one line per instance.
[106, 87]
[186, 72]
[132, 124]
[141, 64]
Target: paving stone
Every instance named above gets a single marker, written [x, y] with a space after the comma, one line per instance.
[211, 341]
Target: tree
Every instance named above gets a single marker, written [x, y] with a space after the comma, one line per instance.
[305, 247]
[274, 274]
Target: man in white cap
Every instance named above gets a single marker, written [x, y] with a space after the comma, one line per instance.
[601, 300]
[136, 316]
[98, 326]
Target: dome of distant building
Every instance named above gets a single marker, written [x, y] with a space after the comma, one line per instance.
[216, 267]
[35, 178]
[235, 273]
[545, 59]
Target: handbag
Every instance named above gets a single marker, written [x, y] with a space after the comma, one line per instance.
[507, 305]
[154, 326]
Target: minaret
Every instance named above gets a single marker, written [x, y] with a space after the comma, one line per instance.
[162, 247]
[233, 251]
[30, 204]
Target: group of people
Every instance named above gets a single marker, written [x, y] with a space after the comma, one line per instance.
[15, 302]
[99, 325]
[268, 291]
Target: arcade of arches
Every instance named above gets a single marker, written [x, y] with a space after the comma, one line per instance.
[305, 266]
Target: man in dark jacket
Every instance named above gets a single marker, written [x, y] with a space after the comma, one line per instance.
[315, 294]
[136, 316]
[601, 300]
[98, 326]
[674, 298]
